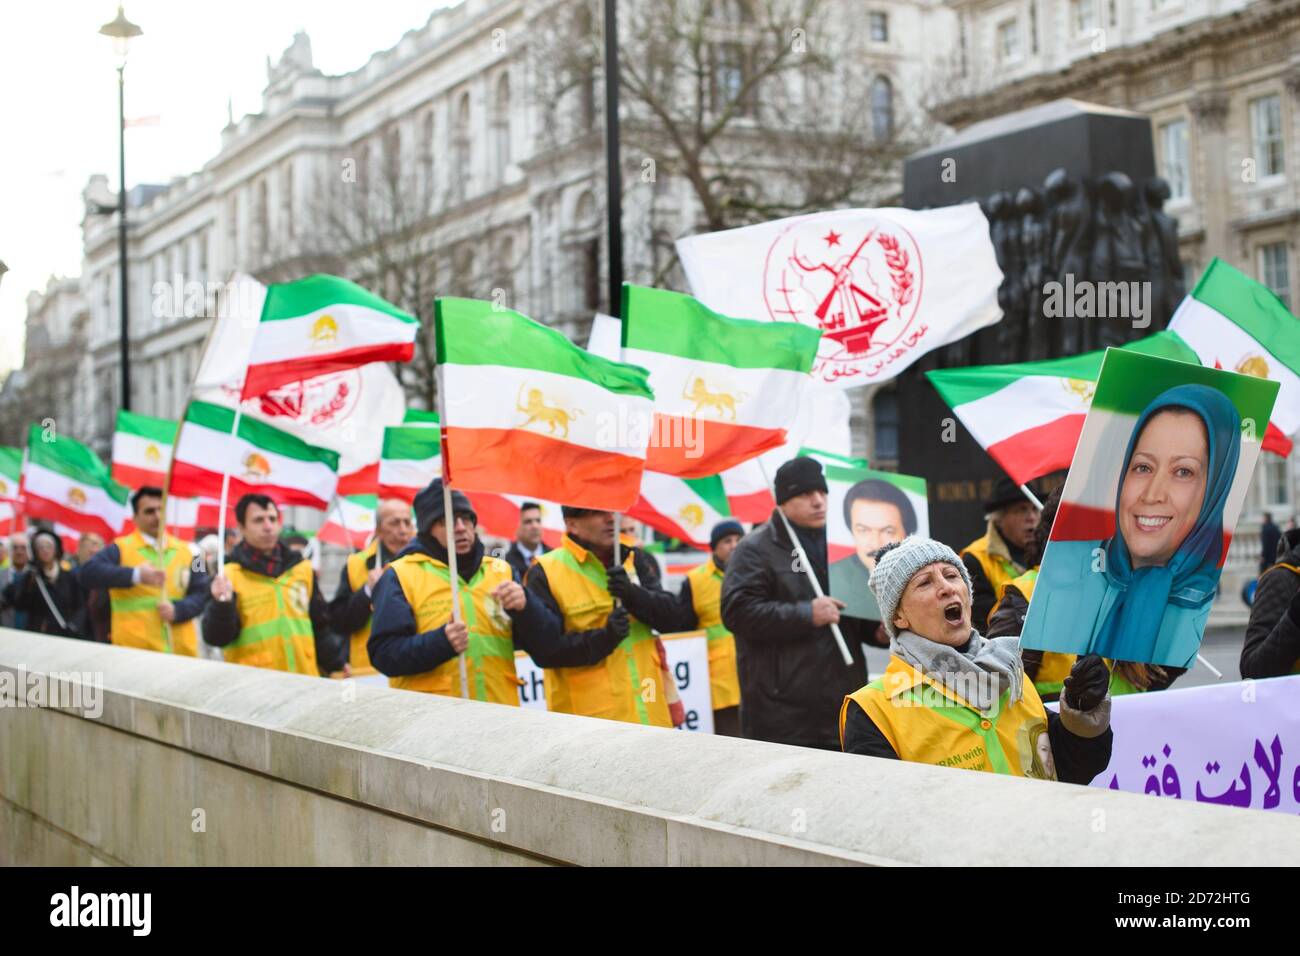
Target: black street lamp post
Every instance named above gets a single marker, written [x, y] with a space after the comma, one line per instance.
[122, 30]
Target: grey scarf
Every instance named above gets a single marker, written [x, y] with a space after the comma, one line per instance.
[980, 674]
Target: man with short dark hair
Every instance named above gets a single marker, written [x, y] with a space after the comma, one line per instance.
[527, 546]
[876, 514]
[267, 610]
[156, 586]
[793, 678]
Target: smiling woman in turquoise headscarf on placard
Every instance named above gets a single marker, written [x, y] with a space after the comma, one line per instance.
[1149, 598]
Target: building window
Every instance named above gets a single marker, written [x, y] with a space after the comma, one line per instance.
[461, 148]
[885, 413]
[882, 108]
[1275, 271]
[879, 25]
[590, 266]
[1175, 165]
[1083, 16]
[1276, 482]
[1009, 41]
[729, 79]
[501, 127]
[1266, 134]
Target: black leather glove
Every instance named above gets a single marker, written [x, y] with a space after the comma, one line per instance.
[620, 585]
[1087, 684]
[618, 623]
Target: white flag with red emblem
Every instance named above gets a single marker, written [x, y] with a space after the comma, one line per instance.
[884, 286]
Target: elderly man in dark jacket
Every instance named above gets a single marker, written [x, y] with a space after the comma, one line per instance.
[1272, 647]
[793, 679]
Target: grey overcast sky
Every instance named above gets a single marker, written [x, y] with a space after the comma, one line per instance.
[59, 108]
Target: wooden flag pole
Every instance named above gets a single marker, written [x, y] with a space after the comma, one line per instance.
[449, 522]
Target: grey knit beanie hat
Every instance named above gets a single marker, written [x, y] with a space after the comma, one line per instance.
[896, 565]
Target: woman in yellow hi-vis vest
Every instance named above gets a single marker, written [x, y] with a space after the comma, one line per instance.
[267, 610]
[608, 662]
[155, 593]
[953, 698]
[701, 597]
[353, 603]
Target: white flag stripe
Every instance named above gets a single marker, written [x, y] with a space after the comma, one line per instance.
[476, 394]
[1216, 338]
[207, 449]
[409, 472]
[133, 450]
[761, 397]
[355, 326]
[1037, 400]
[59, 488]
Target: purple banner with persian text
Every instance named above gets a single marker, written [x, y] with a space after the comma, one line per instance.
[1232, 744]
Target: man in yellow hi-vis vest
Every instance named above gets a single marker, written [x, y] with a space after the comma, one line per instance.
[156, 588]
[611, 664]
[267, 610]
[352, 605]
[701, 601]
[413, 638]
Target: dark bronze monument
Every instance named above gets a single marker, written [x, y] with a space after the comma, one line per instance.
[1071, 196]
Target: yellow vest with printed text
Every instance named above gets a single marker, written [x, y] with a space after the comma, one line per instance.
[489, 656]
[628, 684]
[358, 571]
[135, 618]
[925, 722]
[274, 619]
[706, 596]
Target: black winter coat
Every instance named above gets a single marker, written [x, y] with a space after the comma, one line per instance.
[792, 677]
[1272, 646]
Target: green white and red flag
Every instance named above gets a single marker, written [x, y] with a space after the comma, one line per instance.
[11, 471]
[324, 324]
[142, 449]
[260, 458]
[1233, 322]
[526, 412]
[351, 522]
[726, 390]
[411, 458]
[682, 508]
[1028, 415]
[64, 481]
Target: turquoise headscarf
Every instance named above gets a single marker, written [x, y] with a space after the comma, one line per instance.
[1190, 578]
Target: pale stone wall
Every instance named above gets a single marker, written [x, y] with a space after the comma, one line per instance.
[290, 769]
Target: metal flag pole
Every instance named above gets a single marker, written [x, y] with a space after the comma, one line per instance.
[807, 567]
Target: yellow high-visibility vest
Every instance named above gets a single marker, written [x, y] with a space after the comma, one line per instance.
[628, 684]
[706, 596]
[135, 618]
[925, 722]
[490, 654]
[358, 571]
[274, 619]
